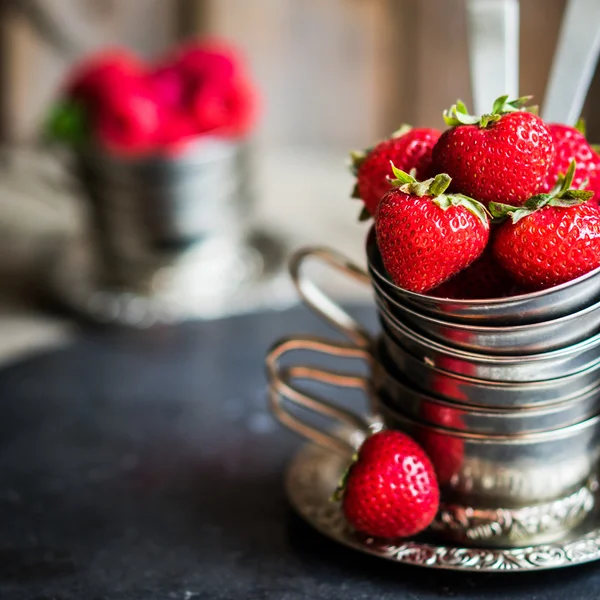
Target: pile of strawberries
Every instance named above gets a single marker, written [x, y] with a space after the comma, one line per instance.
[128, 107]
[494, 206]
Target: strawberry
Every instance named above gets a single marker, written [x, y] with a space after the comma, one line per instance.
[425, 236]
[408, 149]
[552, 239]
[570, 144]
[501, 157]
[390, 491]
[128, 121]
[227, 108]
[102, 71]
[484, 279]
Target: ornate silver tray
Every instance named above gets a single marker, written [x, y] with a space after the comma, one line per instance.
[314, 474]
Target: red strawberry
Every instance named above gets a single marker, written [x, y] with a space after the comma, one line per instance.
[168, 87]
[391, 490]
[501, 157]
[570, 144]
[214, 60]
[425, 236]
[101, 72]
[484, 279]
[408, 149]
[552, 239]
[128, 121]
[227, 108]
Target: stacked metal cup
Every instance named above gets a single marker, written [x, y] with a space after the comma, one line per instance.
[503, 394]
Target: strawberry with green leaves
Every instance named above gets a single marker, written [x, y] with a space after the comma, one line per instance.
[407, 148]
[570, 144]
[553, 238]
[391, 490]
[426, 236]
[503, 156]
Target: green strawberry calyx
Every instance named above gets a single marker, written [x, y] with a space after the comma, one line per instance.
[338, 494]
[68, 123]
[580, 126]
[562, 195]
[435, 188]
[458, 114]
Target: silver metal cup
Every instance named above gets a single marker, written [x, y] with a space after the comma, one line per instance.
[489, 394]
[535, 307]
[530, 367]
[399, 396]
[148, 212]
[515, 453]
[496, 489]
[533, 338]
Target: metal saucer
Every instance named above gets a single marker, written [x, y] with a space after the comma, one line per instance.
[192, 288]
[313, 476]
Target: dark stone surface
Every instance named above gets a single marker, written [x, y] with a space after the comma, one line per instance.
[145, 466]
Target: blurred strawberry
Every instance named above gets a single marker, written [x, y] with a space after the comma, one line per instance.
[168, 87]
[102, 71]
[210, 60]
[227, 108]
[128, 119]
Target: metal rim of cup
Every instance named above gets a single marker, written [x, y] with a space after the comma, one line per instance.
[484, 329]
[507, 440]
[491, 302]
[502, 360]
[505, 388]
[497, 416]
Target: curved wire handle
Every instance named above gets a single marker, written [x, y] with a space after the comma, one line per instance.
[321, 303]
[281, 389]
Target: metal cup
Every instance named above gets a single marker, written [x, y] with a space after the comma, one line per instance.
[530, 367]
[489, 394]
[535, 307]
[533, 338]
[146, 213]
[507, 490]
[399, 397]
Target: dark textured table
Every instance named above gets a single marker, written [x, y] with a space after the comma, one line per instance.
[144, 465]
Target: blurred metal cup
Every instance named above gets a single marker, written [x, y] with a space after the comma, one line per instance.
[148, 212]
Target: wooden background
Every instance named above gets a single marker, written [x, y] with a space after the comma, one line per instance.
[335, 73]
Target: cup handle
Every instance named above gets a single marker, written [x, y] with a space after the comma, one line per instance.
[283, 393]
[321, 303]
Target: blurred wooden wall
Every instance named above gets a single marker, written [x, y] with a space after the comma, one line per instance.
[335, 73]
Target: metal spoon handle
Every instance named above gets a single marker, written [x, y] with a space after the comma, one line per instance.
[493, 29]
[574, 62]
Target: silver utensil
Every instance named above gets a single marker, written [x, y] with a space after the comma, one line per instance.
[574, 62]
[493, 29]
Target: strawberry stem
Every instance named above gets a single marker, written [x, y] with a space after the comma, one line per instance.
[435, 188]
[459, 115]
